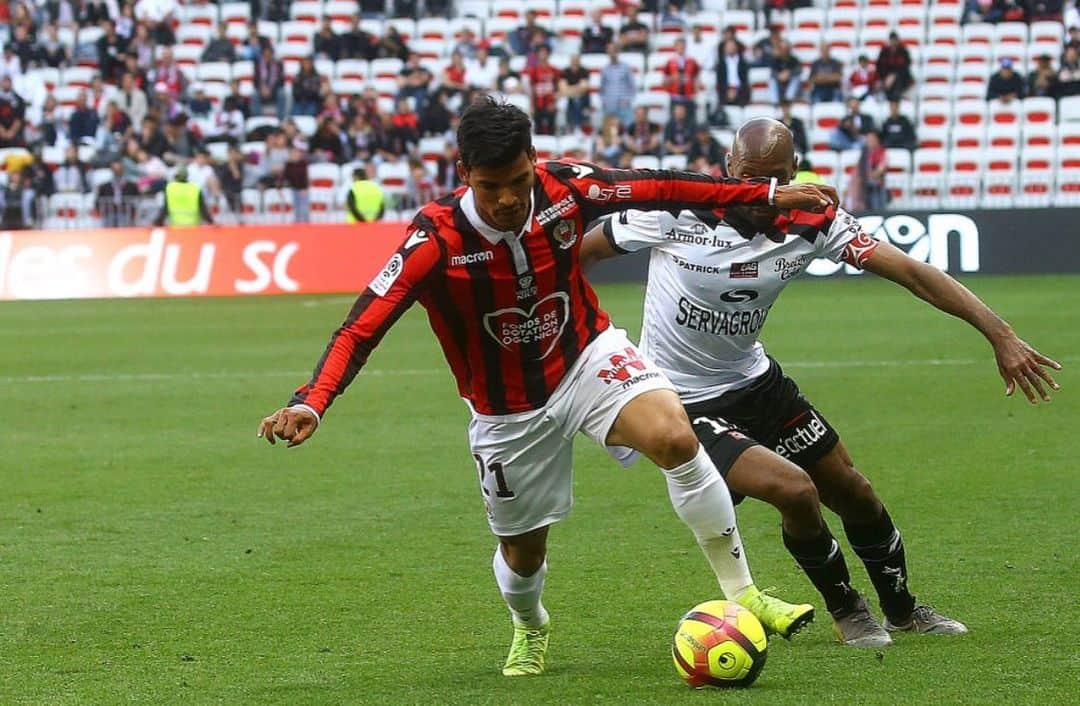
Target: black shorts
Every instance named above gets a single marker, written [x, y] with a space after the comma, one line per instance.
[771, 412]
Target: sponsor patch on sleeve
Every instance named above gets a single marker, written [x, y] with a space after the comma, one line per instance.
[859, 249]
[388, 275]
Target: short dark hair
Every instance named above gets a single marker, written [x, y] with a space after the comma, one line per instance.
[493, 133]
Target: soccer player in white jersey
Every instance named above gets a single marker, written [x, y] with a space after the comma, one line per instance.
[713, 277]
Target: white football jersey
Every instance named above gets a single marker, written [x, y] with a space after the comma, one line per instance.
[710, 289]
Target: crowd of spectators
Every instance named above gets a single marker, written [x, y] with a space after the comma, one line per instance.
[141, 115]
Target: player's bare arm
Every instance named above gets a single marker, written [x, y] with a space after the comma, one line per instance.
[294, 425]
[1019, 364]
[595, 247]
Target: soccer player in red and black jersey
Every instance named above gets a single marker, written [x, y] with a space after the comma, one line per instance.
[495, 264]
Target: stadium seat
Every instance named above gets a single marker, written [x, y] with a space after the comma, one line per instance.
[849, 162]
[218, 71]
[968, 137]
[645, 161]
[935, 114]
[386, 68]
[999, 179]
[1039, 135]
[826, 163]
[936, 138]
[939, 54]
[1067, 187]
[944, 15]
[196, 35]
[899, 186]
[808, 18]
[1003, 136]
[546, 146]
[323, 175]
[978, 33]
[657, 103]
[278, 206]
[236, 13]
[1036, 183]
[673, 161]
[1004, 113]
[1049, 32]
[480, 9]
[309, 11]
[244, 72]
[206, 15]
[1069, 109]
[963, 179]
[971, 113]
[296, 32]
[826, 116]
[78, 76]
[1017, 53]
[934, 92]
[944, 35]
[1039, 111]
[393, 176]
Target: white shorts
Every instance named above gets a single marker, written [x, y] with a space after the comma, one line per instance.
[525, 460]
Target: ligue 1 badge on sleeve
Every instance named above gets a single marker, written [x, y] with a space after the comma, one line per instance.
[565, 233]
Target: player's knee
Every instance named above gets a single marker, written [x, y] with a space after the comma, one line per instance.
[673, 443]
[524, 559]
[799, 494]
[860, 501]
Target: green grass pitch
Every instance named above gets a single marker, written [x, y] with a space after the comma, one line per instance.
[153, 551]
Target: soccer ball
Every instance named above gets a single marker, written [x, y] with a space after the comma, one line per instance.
[719, 643]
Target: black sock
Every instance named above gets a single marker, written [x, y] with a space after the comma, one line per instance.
[824, 565]
[881, 549]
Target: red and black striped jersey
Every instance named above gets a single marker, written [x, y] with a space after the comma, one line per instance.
[511, 311]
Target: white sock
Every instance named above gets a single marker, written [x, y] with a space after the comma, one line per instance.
[521, 593]
[701, 500]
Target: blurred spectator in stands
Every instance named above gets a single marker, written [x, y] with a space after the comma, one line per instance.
[183, 143]
[597, 36]
[373, 9]
[805, 173]
[524, 38]
[731, 33]
[540, 40]
[574, 87]
[84, 121]
[306, 89]
[446, 174]
[1068, 74]
[275, 155]
[609, 146]
[617, 87]
[679, 131]
[327, 44]
[139, 77]
[863, 80]
[38, 175]
[849, 132]
[50, 128]
[481, 70]
[767, 48]
[142, 46]
[544, 86]
[231, 176]
[168, 72]
[894, 68]
[185, 203]
[1005, 85]
[328, 142]
[414, 81]
[682, 76]
[826, 78]
[702, 49]
[633, 34]
[404, 132]
[867, 190]
[228, 123]
[1045, 10]
[108, 142]
[151, 140]
[94, 11]
[254, 44]
[1006, 11]
[296, 178]
[70, 176]
[125, 22]
[1073, 39]
[163, 103]
[453, 78]
[202, 174]
[467, 45]
[331, 108]
[419, 187]
[238, 100]
[705, 154]
[732, 75]
[507, 80]
[220, 48]
[200, 105]
[786, 80]
[110, 47]
[897, 130]
[269, 80]
[365, 140]
[356, 43]
[10, 64]
[23, 42]
[435, 120]
[798, 130]
[294, 138]
[642, 136]
[65, 14]
[672, 16]
[1043, 81]
[1072, 14]
[51, 52]
[392, 46]
[99, 94]
[365, 202]
[17, 204]
[12, 113]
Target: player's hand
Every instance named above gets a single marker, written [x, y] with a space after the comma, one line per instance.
[293, 425]
[1023, 366]
[806, 197]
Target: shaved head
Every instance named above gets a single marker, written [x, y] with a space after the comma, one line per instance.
[762, 147]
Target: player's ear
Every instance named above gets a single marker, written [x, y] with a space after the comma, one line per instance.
[531, 153]
[462, 173]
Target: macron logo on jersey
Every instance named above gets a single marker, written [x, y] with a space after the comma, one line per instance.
[472, 258]
[415, 238]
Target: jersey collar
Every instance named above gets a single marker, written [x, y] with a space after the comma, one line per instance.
[492, 235]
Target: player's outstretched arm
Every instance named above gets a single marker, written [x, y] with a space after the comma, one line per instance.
[292, 424]
[595, 246]
[1019, 364]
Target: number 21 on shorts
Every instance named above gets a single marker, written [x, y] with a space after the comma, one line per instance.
[494, 468]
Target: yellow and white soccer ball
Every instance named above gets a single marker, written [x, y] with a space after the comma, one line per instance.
[719, 643]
